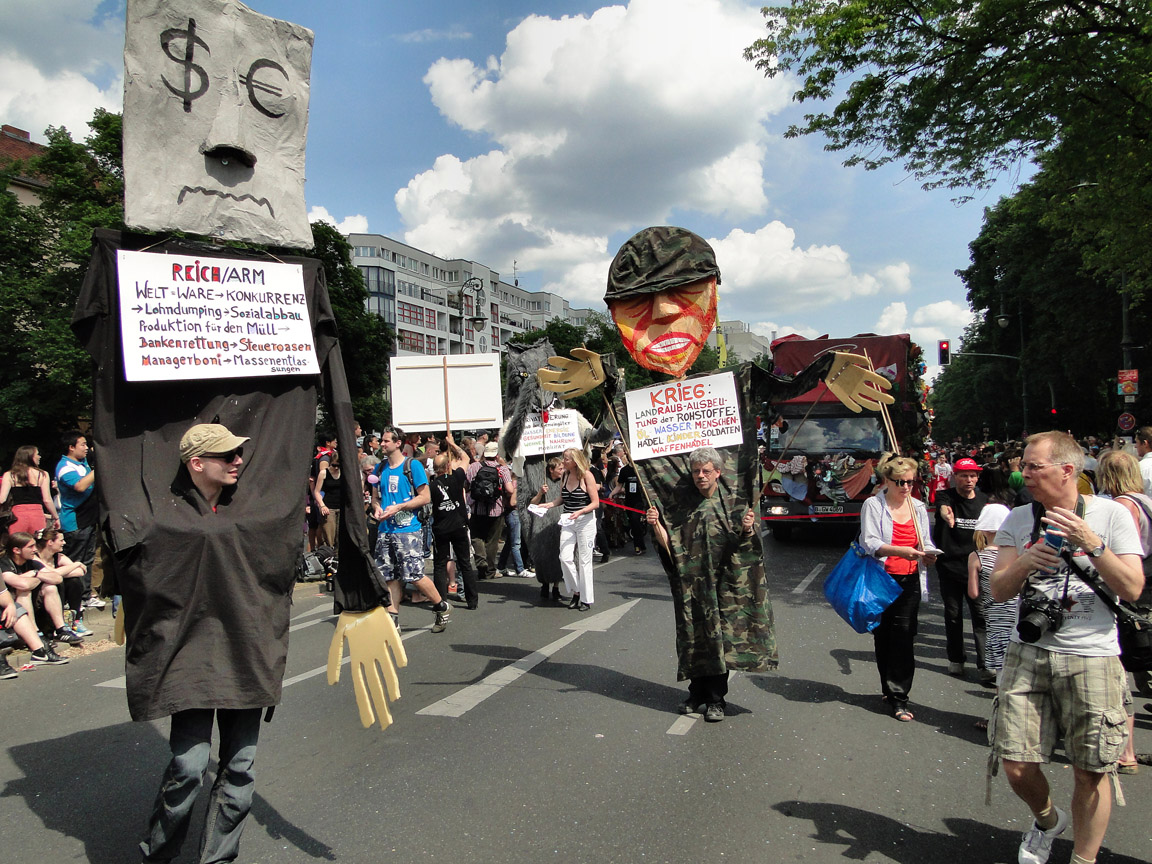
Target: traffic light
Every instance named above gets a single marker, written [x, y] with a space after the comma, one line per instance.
[945, 352]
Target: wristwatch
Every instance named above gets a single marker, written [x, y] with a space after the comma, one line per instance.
[1098, 551]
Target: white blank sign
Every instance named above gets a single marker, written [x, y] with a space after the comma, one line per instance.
[458, 390]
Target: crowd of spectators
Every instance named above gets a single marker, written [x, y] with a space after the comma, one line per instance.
[47, 552]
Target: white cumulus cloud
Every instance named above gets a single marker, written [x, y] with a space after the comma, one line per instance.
[599, 124]
[53, 81]
[348, 225]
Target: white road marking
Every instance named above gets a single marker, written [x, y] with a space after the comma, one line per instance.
[601, 621]
[465, 700]
[807, 580]
[682, 724]
[323, 608]
[469, 697]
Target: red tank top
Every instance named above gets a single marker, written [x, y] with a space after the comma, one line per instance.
[903, 534]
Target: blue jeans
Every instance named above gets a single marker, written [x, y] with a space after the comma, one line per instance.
[191, 744]
[512, 546]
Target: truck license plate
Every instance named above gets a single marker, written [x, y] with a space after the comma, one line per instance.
[827, 508]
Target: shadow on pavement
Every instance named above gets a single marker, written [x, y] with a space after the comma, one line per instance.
[860, 833]
[109, 813]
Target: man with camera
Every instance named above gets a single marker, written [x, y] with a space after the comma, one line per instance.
[1062, 674]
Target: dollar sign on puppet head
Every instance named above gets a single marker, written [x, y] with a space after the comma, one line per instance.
[215, 121]
[662, 296]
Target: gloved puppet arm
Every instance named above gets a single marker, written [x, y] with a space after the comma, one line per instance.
[373, 644]
[847, 376]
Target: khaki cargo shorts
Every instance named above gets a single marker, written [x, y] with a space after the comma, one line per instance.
[1044, 696]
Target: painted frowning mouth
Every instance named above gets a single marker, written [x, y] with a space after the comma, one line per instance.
[200, 190]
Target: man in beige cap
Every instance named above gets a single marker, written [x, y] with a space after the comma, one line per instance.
[195, 672]
[213, 457]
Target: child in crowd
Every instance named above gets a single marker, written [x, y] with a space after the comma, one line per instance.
[1000, 618]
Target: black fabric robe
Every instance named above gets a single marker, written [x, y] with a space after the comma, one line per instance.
[207, 595]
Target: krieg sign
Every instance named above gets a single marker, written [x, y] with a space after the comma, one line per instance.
[184, 318]
[683, 415]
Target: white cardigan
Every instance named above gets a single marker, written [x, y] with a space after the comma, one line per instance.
[876, 529]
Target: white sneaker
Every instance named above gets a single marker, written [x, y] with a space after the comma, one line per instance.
[1036, 845]
[95, 603]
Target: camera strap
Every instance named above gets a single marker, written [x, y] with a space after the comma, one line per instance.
[1037, 528]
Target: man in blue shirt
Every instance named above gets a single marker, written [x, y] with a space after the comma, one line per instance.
[75, 479]
[397, 502]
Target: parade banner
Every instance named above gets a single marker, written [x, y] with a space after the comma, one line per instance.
[184, 318]
[684, 415]
[560, 432]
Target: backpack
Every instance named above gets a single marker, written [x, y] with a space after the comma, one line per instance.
[486, 487]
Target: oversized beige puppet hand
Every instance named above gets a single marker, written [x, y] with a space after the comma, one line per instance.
[573, 376]
[857, 386]
[370, 635]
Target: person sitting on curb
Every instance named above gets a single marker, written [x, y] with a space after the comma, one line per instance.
[34, 585]
[14, 619]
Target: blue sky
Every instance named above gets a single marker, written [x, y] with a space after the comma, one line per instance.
[547, 132]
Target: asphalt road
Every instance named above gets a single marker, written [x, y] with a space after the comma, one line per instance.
[571, 751]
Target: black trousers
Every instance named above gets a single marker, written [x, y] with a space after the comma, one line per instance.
[708, 689]
[895, 640]
[954, 593]
[457, 542]
[638, 527]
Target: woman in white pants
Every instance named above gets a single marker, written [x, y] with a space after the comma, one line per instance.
[579, 497]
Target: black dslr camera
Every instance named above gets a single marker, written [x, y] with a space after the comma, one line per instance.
[1039, 615]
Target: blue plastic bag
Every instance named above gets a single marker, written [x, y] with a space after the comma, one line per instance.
[860, 589]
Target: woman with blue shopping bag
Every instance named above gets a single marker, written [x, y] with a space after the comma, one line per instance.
[894, 529]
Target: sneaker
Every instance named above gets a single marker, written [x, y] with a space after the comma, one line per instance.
[95, 603]
[714, 713]
[7, 671]
[80, 630]
[523, 574]
[638, 551]
[689, 706]
[395, 616]
[988, 677]
[442, 619]
[67, 636]
[528, 573]
[1036, 844]
[956, 670]
[47, 657]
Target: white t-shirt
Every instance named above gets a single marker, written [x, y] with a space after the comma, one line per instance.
[1089, 628]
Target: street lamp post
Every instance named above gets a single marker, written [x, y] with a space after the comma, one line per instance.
[1003, 320]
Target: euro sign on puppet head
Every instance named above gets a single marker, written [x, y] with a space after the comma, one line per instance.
[662, 296]
[215, 121]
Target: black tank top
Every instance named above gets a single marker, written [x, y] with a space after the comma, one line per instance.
[574, 499]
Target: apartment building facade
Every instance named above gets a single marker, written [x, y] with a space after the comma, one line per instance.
[449, 305]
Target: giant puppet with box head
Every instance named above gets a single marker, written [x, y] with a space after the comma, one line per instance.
[209, 362]
[662, 295]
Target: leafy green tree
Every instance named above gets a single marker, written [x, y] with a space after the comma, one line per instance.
[961, 91]
[366, 340]
[45, 376]
[1061, 322]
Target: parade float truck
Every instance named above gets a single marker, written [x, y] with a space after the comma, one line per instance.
[819, 458]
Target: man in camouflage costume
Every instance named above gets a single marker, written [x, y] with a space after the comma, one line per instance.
[662, 296]
[723, 613]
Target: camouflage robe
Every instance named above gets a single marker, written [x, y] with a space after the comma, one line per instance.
[719, 589]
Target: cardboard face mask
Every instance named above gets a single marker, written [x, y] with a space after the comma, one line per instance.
[665, 331]
[215, 121]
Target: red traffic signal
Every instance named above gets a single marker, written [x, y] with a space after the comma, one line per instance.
[945, 352]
